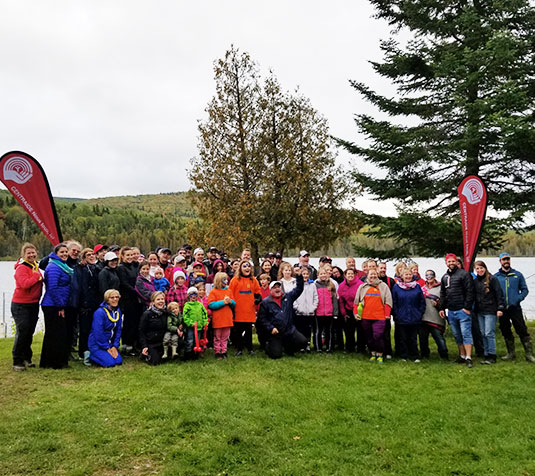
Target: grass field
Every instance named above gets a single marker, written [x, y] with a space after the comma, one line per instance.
[308, 415]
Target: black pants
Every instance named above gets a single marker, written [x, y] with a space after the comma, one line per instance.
[515, 316]
[155, 353]
[242, 336]
[289, 343]
[25, 316]
[350, 327]
[85, 321]
[361, 338]
[304, 326]
[323, 327]
[408, 341]
[388, 337]
[338, 330]
[57, 340]
[131, 316]
[477, 337]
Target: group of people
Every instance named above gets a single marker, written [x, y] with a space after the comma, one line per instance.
[109, 301]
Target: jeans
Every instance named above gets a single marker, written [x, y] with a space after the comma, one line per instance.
[461, 327]
[487, 325]
[438, 336]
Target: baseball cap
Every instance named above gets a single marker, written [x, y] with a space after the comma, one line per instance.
[99, 247]
[110, 256]
[303, 253]
[212, 248]
[273, 283]
[504, 255]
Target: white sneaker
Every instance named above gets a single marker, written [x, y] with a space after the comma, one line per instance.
[417, 361]
[388, 357]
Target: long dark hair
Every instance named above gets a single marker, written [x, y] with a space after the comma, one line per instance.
[486, 275]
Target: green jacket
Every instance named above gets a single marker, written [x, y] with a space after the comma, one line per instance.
[193, 312]
[173, 322]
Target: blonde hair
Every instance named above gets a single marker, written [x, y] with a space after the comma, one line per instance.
[218, 279]
[155, 294]
[172, 305]
[331, 287]
[264, 276]
[109, 293]
[282, 267]
[399, 266]
[84, 252]
[122, 251]
[26, 246]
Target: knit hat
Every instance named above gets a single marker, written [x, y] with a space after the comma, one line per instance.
[178, 274]
[193, 290]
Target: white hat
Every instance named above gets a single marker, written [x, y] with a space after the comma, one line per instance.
[198, 250]
[178, 274]
[179, 258]
[110, 256]
[273, 284]
[193, 290]
[303, 253]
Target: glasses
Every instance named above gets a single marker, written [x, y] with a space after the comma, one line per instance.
[429, 276]
[246, 265]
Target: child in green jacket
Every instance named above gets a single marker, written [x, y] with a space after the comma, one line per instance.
[174, 335]
[193, 312]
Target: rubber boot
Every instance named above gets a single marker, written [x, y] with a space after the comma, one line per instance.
[511, 355]
[87, 362]
[173, 351]
[528, 349]
[164, 356]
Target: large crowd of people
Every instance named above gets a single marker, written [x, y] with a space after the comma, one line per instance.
[103, 303]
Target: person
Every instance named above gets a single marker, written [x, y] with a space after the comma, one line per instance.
[351, 263]
[179, 291]
[286, 276]
[153, 263]
[415, 270]
[275, 317]
[211, 257]
[399, 269]
[304, 262]
[409, 305]
[457, 296]
[373, 304]
[325, 312]
[100, 251]
[194, 313]
[85, 296]
[264, 280]
[108, 277]
[25, 306]
[217, 267]
[346, 296]
[265, 267]
[338, 274]
[160, 282]
[277, 260]
[221, 303]
[305, 306]
[164, 254]
[197, 274]
[152, 327]
[105, 333]
[432, 322]
[515, 290]
[175, 333]
[246, 291]
[390, 282]
[57, 340]
[489, 306]
[144, 285]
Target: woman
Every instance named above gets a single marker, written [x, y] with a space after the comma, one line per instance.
[108, 277]
[85, 297]
[144, 284]
[265, 268]
[398, 270]
[106, 331]
[130, 305]
[409, 307]
[153, 263]
[25, 305]
[415, 270]
[57, 340]
[346, 292]
[373, 304]
[432, 323]
[489, 304]
[246, 292]
[152, 328]
[287, 277]
[338, 274]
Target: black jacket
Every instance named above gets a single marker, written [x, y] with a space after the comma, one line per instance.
[152, 327]
[85, 287]
[127, 273]
[491, 302]
[108, 279]
[456, 290]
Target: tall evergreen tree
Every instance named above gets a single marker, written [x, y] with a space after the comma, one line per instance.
[465, 105]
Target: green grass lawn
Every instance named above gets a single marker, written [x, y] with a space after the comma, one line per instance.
[308, 415]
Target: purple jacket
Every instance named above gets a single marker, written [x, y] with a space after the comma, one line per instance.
[346, 293]
[144, 289]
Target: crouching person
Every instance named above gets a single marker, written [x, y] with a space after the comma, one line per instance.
[275, 318]
[152, 328]
[106, 332]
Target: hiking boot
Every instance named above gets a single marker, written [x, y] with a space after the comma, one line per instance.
[469, 363]
[164, 356]
[528, 349]
[373, 358]
[380, 360]
[511, 355]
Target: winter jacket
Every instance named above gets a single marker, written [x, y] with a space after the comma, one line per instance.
[491, 302]
[346, 293]
[105, 333]
[409, 304]
[85, 290]
[431, 314]
[178, 294]
[58, 284]
[327, 300]
[173, 322]
[244, 291]
[221, 313]
[211, 276]
[307, 303]
[271, 315]
[108, 279]
[152, 327]
[144, 289]
[161, 284]
[513, 285]
[194, 312]
[127, 273]
[28, 283]
[374, 309]
[457, 290]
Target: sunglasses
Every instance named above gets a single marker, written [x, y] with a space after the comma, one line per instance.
[246, 265]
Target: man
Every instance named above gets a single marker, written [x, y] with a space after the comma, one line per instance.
[188, 249]
[390, 282]
[515, 290]
[350, 263]
[211, 256]
[368, 266]
[275, 268]
[164, 254]
[73, 248]
[304, 262]
[100, 251]
[275, 318]
[457, 296]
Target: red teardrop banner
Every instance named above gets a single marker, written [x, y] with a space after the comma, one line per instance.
[473, 203]
[26, 181]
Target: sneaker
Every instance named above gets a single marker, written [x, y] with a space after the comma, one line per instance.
[485, 362]
[380, 360]
[404, 360]
[87, 362]
[252, 353]
[373, 358]
[219, 356]
[416, 361]
[459, 360]
[239, 353]
[29, 365]
[388, 357]
[469, 363]
[19, 368]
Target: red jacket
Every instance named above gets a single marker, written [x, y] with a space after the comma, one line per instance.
[28, 283]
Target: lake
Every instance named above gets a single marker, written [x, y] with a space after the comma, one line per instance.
[525, 265]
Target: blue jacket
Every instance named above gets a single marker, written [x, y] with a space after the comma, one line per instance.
[105, 333]
[270, 315]
[513, 285]
[58, 285]
[409, 304]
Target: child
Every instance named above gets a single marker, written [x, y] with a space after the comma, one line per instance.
[178, 292]
[221, 303]
[144, 284]
[160, 283]
[305, 306]
[264, 279]
[174, 330]
[194, 312]
[202, 297]
[197, 275]
[326, 311]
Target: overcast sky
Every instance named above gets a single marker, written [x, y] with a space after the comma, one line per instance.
[107, 94]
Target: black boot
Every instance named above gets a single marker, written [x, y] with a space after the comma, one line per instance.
[528, 349]
[511, 355]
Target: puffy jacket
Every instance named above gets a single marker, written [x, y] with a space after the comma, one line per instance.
[491, 302]
[105, 333]
[409, 304]
[456, 290]
[306, 304]
[327, 301]
[58, 284]
[85, 289]
[271, 315]
[152, 327]
[347, 292]
[513, 285]
[28, 283]
[108, 279]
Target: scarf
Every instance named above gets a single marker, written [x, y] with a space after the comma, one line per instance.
[407, 286]
[63, 266]
[34, 265]
[156, 311]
